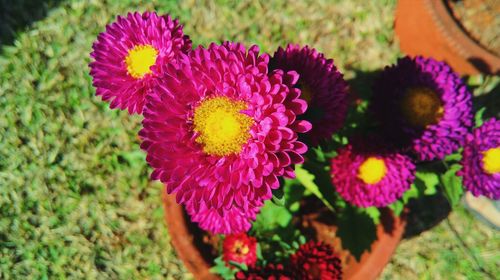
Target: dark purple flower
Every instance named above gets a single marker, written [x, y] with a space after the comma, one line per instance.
[424, 105]
[321, 85]
[481, 160]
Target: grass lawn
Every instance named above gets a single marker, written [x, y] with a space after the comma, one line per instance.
[75, 198]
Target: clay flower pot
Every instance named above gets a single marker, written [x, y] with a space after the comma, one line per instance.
[194, 249]
[427, 28]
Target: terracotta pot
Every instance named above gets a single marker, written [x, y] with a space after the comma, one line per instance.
[427, 28]
[193, 245]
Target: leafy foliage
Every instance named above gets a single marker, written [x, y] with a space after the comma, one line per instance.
[356, 230]
[272, 216]
[309, 180]
[452, 185]
[224, 271]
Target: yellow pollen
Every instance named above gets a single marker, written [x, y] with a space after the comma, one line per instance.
[222, 128]
[241, 248]
[372, 170]
[491, 160]
[421, 107]
[305, 92]
[140, 59]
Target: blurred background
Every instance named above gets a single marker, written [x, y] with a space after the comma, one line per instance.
[75, 198]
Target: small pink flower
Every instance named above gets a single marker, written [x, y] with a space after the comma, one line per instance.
[127, 55]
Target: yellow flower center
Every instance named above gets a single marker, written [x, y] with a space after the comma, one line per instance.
[305, 93]
[372, 170]
[491, 160]
[140, 59]
[421, 107]
[240, 248]
[222, 128]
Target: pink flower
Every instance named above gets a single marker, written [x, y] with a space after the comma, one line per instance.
[365, 176]
[126, 57]
[219, 130]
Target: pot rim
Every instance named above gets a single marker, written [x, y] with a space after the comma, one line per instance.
[460, 40]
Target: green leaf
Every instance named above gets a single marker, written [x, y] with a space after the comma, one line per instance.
[320, 155]
[397, 207]
[307, 180]
[302, 239]
[240, 266]
[478, 118]
[373, 212]
[429, 179]
[356, 230]
[413, 192]
[259, 251]
[294, 192]
[453, 157]
[278, 197]
[222, 269]
[272, 216]
[452, 185]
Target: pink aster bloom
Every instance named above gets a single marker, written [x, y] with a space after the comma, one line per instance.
[127, 54]
[321, 85]
[219, 130]
[364, 177]
[481, 160]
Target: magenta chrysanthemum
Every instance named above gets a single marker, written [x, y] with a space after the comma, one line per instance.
[219, 130]
[322, 86]
[424, 105]
[481, 160]
[127, 54]
[365, 178]
[316, 260]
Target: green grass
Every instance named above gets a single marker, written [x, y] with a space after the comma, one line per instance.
[75, 199]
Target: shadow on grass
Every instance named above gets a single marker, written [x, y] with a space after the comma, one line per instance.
[426, 213]
[16, 15]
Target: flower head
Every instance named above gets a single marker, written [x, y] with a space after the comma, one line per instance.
[268, 272]
[321, 85]
[367, 176]
[240, 248]
[219, 130]
[481, 160]
[316, 260]
[126, 57]
[424, 105]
